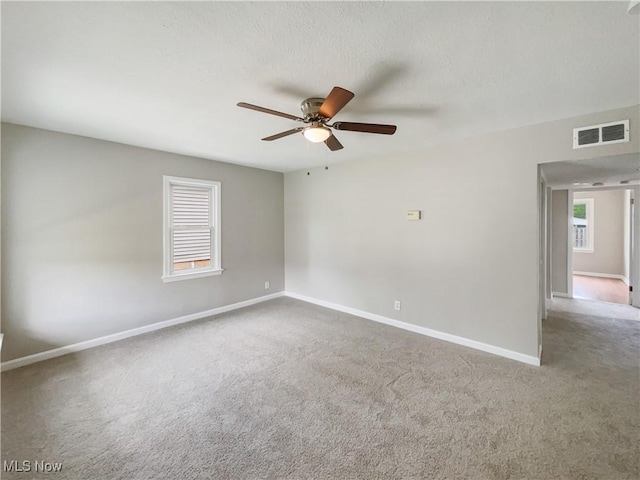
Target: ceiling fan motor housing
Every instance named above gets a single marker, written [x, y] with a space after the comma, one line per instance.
[310, 106]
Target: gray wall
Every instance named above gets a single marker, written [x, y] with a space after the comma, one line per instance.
[608, 234]
[559, 241]
[470, 266]
[82, 238]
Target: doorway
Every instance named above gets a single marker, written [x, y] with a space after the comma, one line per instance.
[618, 177]
[600, 244]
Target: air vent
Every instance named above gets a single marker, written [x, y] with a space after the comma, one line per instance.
[589, 136]
[614, 132]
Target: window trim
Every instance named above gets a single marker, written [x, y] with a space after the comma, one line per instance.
[590, 224]
[216, 244]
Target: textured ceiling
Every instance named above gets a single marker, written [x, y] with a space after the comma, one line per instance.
[167, 75]
[607, 170]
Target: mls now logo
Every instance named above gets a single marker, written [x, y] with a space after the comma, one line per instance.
[29, 466]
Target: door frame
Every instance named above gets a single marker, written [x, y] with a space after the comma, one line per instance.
[634, 241]
[543, 251]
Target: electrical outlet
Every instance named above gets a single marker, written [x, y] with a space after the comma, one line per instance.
[396, 304]
[266, 285]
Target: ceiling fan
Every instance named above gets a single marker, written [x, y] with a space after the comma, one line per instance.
[317, 112]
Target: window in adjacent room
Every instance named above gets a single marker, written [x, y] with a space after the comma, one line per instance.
[583, 225]
[191, 228]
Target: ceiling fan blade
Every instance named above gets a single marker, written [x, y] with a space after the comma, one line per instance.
[268, 110]
[333, 143]
[365, 127]
[337, 99]
[283, 134]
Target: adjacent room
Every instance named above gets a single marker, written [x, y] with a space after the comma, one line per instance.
[594, 228]
[602, 273]
[237, 240]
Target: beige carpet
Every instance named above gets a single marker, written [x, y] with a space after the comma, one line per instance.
[290, 390]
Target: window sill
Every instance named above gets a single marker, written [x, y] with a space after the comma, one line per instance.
[583, 250]
[186, 276]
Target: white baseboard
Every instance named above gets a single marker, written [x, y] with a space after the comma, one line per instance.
[529, 359]
[76, 347]
[561, 295]
[603, 275]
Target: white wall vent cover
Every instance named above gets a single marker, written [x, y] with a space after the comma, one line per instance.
[603, 134]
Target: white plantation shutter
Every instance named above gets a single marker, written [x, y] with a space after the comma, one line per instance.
[191, 223]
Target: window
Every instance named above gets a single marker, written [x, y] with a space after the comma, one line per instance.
[583, 225]
[191, 228]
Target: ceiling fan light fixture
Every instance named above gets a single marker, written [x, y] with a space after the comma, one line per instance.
[316, 134]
